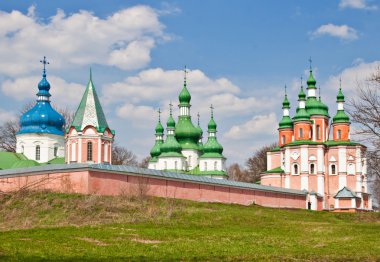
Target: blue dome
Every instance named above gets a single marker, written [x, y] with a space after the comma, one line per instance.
[42, 118]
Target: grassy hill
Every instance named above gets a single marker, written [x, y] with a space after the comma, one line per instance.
[49, 226]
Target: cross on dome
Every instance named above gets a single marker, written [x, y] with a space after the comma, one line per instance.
[159, 114]
[44, 62]
[170, 107]
[310, 61]
[185, 74]
[212, 110]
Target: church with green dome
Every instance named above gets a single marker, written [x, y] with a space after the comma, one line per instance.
[183, 150]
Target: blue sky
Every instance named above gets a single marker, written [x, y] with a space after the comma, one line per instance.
[240, 55]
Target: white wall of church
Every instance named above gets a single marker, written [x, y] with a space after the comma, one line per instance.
[191, 158]
[171, 163]
[27, 144]
[212, 164]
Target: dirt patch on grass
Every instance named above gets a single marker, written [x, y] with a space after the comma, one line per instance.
[93, 241]
[146, 241]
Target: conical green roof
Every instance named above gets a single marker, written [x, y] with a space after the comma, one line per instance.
[301, 113]
[170, 123]
[171, 148]
[90, 112]
[159, 128]
[156, 150]
[311, 82]
[340, 96]
[286, 103]
[212, 148]
[286, 122]
[341, 117]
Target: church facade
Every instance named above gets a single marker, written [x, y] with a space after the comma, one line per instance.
[182, 150]
[316, 154]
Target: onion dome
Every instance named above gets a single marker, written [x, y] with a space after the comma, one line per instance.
[316, 107]
[341, 116]
[311, 82]
[186, 133]
[286, 121]
[42, 118]
[301, 113]
[200, 143]
[171, 147]
[156, 149]
[212, 148]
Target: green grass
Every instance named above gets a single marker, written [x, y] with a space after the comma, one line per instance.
[48, 226]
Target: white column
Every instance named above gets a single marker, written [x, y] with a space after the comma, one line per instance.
[99, 150]
[342, 161]
[79, 150]
[304, 159]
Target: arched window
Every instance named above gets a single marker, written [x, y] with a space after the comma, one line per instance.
[318, 132]
[175, 165]
[205, 166]
[333, 169]
[38, 152]
[216, 165]
[22, 149]
[312, 168]
[295, 169]
[89, 151]
[105, 153]
[165, 165]
[339, 134]
[55, 151]
[301, 133]
[283, 139]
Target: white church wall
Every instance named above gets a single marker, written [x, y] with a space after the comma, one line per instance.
[191, 158]
[27, 143]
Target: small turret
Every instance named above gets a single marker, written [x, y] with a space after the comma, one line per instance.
[301, 120]
[341, 121]
[286, 124]
[156, 149]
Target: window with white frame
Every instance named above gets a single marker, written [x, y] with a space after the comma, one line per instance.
[38, 152]
[301, 132]
[216, 165]
[333, 169]
[205, 166]
[295, 169]
[89, 151]
[312, 168]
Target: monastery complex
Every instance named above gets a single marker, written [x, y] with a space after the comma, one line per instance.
[308, 170]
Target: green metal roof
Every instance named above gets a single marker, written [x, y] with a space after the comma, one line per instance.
[57, 160]
[8, 159]
[25, 163]
[311, 82]
[341, 117]
[275, 170]
[340, 96]
[286, 103]
[184, 96]
[286, 122]
[316, 107]
[345, 193]
[90, 112]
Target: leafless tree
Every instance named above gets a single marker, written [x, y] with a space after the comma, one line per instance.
[122, 156]
[257, 164]
[9, 129]
[364, 110]
[144, 163]
[236, 173]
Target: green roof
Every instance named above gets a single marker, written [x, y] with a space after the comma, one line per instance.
[186, 133]
[311, 82]
[90, 112]
[345, 193]
[275, 170]
[340, 96]
[57, 160]
[184, 96]
[341, 117]
[8, 159]
[25, 163]
[301, 115]
[195, 171]
[327, 143]
[276, 149]
[316, 107]
[286, 103]
[286, 122]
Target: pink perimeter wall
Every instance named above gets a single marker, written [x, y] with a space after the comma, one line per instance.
[112, 183]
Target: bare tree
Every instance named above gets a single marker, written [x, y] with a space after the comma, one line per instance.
[122, 156]
[236, 173]
[144, 163]
[257, 164]
[364, 110]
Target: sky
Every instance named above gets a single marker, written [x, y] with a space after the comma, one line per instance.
[239, 55]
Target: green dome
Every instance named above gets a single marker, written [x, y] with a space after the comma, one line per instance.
[25, 163]
[301, 115]
[186, 133]
[286, 122]
[286, 103]
[156, 149]
[170, 146]
[341, 117]
[316, 107]
[340, 96]
[212, 125]
[311, 82]
[159, 128]
[212, 148]
[170, 123]
[301, 95]
[184, 97]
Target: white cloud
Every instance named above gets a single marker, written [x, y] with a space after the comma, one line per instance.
[343, 32]
[64, 94]
[160, 87]
[260, 124]
[124, 39]
[356, 4]
[6, 115]
[352, 76]
[139, 115]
